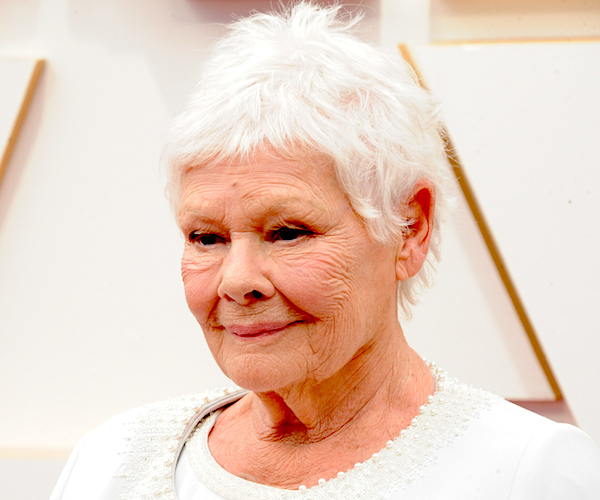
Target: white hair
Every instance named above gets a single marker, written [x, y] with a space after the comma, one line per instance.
[299, 82]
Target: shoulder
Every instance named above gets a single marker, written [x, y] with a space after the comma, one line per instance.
[116, 434]
[521, 429]
[93, 465]
[537, 457]
[555, 460]
[515, 423]
[107, 460]
[496, 449]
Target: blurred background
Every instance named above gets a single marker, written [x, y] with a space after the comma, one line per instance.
[93, 319]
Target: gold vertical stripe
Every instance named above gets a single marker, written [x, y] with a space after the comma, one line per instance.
[469, 195]
[35, 76]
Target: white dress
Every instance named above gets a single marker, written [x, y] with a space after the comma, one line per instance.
[464, 444]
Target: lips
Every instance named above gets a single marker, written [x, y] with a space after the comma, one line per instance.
[257, 329]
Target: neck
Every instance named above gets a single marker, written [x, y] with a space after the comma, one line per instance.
[326, 426]
[383, 380]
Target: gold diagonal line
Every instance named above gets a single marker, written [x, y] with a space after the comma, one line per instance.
[469, 195]
[35, 76]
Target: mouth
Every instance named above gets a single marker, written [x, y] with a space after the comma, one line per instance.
[258, 329]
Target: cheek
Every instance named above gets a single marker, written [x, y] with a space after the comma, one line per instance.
[319, 282]
[199, 274]
[342, 283]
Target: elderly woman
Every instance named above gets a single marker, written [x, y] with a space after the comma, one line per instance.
[307, 177]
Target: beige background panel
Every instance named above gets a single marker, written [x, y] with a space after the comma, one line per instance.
[469, 198]
[513, 19]
[525, 119]
[467, 322]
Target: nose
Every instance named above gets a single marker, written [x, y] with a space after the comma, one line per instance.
[243, 279]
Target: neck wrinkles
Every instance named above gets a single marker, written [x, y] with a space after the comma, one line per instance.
[382, 383]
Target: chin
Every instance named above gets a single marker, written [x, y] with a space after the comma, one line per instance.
[258, 375]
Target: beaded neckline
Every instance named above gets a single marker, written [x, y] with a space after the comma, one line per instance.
[438, 423]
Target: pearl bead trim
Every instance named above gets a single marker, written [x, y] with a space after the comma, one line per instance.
[153, 445]
[439, 422]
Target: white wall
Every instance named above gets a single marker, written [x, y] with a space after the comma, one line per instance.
[92, 315]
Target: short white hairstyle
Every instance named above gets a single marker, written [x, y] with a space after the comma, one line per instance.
[298, 82]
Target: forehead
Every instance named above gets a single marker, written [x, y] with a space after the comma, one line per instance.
[265, 183]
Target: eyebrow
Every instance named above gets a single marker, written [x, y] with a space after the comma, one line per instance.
[201, 210]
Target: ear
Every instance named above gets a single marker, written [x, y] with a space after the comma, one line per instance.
[414, 241]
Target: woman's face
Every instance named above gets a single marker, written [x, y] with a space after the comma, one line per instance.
[281, 273]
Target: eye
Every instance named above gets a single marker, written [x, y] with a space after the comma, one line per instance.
[288, 234]
[205, 239]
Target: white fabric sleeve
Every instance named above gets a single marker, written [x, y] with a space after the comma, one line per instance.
[560, 463]
[94, 469]
[63, 480]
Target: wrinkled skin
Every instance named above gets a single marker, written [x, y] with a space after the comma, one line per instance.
[298, 304]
